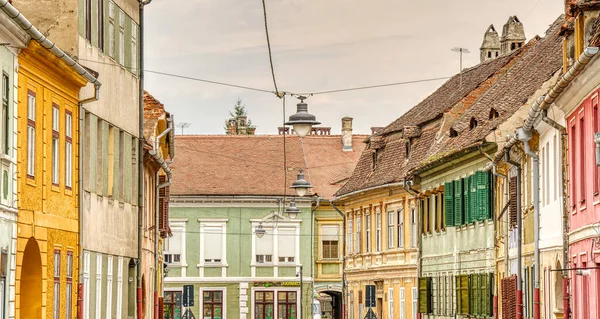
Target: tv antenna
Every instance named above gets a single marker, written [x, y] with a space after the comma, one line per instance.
[183, 125]
[460, 51]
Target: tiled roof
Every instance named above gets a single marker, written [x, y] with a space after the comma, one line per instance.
[253, 165]
[504, 83]
[153, 111]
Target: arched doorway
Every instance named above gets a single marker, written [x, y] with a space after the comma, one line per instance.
[331, 304]
[31, 281]
[558, 287]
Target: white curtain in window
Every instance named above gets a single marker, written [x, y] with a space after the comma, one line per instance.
[264, 246]
[213, 242]
[287, 242]
[330, 232]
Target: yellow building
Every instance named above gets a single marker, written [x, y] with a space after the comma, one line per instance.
[48, 183]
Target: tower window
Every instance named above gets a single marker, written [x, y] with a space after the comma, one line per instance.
[493, 114]
[453, 132]
[496, 53]
[489, 54]
[513, 46]
[520, 45]
[473, 123]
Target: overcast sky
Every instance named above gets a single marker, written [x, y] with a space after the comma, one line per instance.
[317, 45]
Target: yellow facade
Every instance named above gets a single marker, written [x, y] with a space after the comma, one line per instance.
[393, 267]
[48, 220]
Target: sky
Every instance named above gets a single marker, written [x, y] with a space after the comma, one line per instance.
[316, 46]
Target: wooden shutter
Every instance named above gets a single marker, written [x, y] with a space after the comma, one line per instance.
[509, 297]
[474, 205]
[483, 195]
[163, 206]
[475, 298]
[467, 199]
[512, 208]
[486, 282]
[462, 294]
[161, 307]
[449, 203]
[424, 295]
[458, 203]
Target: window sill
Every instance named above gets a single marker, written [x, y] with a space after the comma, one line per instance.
[258, 265]
[209, 265]
[176, 265]
[328, 261]
[5, 159]
[55, 188]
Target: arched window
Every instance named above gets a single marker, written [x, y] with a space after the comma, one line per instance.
[473, 123]
[453, 132]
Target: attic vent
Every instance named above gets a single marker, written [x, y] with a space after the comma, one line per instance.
[494, 114]
[453, 132]
[473, 123]
[376, 154]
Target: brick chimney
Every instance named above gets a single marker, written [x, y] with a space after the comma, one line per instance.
[347, 133]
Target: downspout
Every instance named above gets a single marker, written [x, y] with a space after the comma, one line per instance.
[343, 258]
[519, 237]
[408, 187]
[525, 136]
[140, 313]
[312, 251]
[564, 208]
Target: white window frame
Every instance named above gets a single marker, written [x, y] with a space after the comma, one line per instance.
[86, 285]
[223, 290]
[400, 225]
[414, 232]
[69, 285]
[391, 232]
[178, 226]
[368, 231]
[134, 63]
[55, 144]
[31, 130]
[390, 303]
[269, 227]
[378, 231]
[121, 37]
[57, 254]
[205, 227]
[119, 287]
[109, 286]
[68, 149]
[358, 235]
[402, 303]
[322, 239]
[98, 285]
[350, 243]
[415, 304]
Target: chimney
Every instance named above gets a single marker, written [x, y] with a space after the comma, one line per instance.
[513, 36]
[347, 133]
[490, 48]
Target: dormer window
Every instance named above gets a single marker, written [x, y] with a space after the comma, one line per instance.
[453, 132]
[407, 149]
[473, 123]
[376, 154]
[494, 114]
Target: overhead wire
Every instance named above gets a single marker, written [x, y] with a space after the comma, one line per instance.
[269, 49]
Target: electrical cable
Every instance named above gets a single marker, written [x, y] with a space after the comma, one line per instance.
[377, 86]
[269, 48]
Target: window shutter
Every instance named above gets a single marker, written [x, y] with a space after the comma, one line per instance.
[458, 204]
[483, 198]
[463, 294]
[474, 298]
[512, 208]
[474, 198]
[161, 307]
[213, 243]
[425, 295]
[163, 206]
[486, 281]
[449, 202]
[467, 199]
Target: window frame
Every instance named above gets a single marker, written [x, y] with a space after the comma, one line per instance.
[31, 133]
[55, 144]
[400, 226]
[378, 222]
[212, 302]
[69, 286]
[331, 243]
[56, 288]
[368, 232]
[6, 113]
[204, 229]
[177, 227]
[391, 227]
[101, 25]
[68, 149]
[111, 29]
[87, 8]
[121, 37]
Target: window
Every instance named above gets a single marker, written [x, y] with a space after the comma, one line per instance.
[111, 29]
[98, 284]
[101, 25]
[350, 243]
[31, 110]
[474, 294]
[329, 241]
[390, 297]
[134, 63]
[574, 180]
[264, 247]
[55, 146]
[414, 233]
[5, 113]
[556, 171]
[414, 302]
[401, 228]
[462, 294]
[173, 246]
[402, 304]
[68, 149]
[119, 286]
[213, 244]
[121, 37]
[109, 284]
[595, 125]
[286, 240]
[439, 223]
[368, 231]
[378, 232]
[493, 114]
[286, 305]
[391, 226]
[358, 237]
[263, 304]
[582, 170]
[56, 292]
[88, 19]
[86, 285]
[453, 133]
[212, 304]
[69, 290]
[172, 304]
[425, 295]
[473, 123]
[489, 55]
[407, 149]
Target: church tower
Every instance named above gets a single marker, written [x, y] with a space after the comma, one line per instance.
[513, 36]
[490, 48]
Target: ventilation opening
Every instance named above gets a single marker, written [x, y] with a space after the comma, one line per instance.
[493, 114]
[473, 123]
[513, 46]
[407, 147]
[375, 158]
[453, 132]
[489, 54]
[496, 53]
[520, 45]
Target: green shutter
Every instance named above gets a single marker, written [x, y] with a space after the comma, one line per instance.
[449, 203]
[464, 294]
[483, 189]
[424, 295]
[457, 294]
[467, 199]
[475, 295]
[473, 197]
[484, 283]
[458, 203]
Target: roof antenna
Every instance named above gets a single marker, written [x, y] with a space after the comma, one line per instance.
[183, 125]
[461, 51]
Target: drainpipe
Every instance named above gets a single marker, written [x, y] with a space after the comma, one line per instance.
[519, 236]
[140, 313]
[312, 250]
[564, 210]
[343, 258]
[525, 136]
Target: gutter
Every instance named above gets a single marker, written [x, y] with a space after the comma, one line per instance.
[519, 237]
[408, 187]
[36, 35]
[343, 257]
[312, 251]
[369, 189]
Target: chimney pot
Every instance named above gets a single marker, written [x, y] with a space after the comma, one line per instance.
[347, 133]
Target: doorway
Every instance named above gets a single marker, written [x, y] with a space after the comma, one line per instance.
[31, 281]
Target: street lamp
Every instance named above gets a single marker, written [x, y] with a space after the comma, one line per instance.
[302, 121]
[292, 210]
[259, 231]
[301, 185]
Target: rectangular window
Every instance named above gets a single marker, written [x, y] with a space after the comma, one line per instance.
[121, 37]
[86, 285]
[378, 232]
[573, 152]
[329, 241]
[88, 19]
[582, 139]
[134, 63]
[212, 304]
[68, 149]
[101, 25]
[414, 233]
[264, 247]
[425, 295]
[56, 292]
[109, 286]
[111, 29]
[556, 185]
[69, 301]
[547, 184]
[358, 237]
[400, 213]
[402, 304]
[263, 304]
[31, 110]
[350, 242]
[55, 146]
[286, 305]
[390, 297]
[368, 231]
[119, 287]
[173, 245]
[286, 240]
[98, 285]
[442, 208]
[213, 244]
[5, 113]
[415, 305]
[391, 226]
[595, 125]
